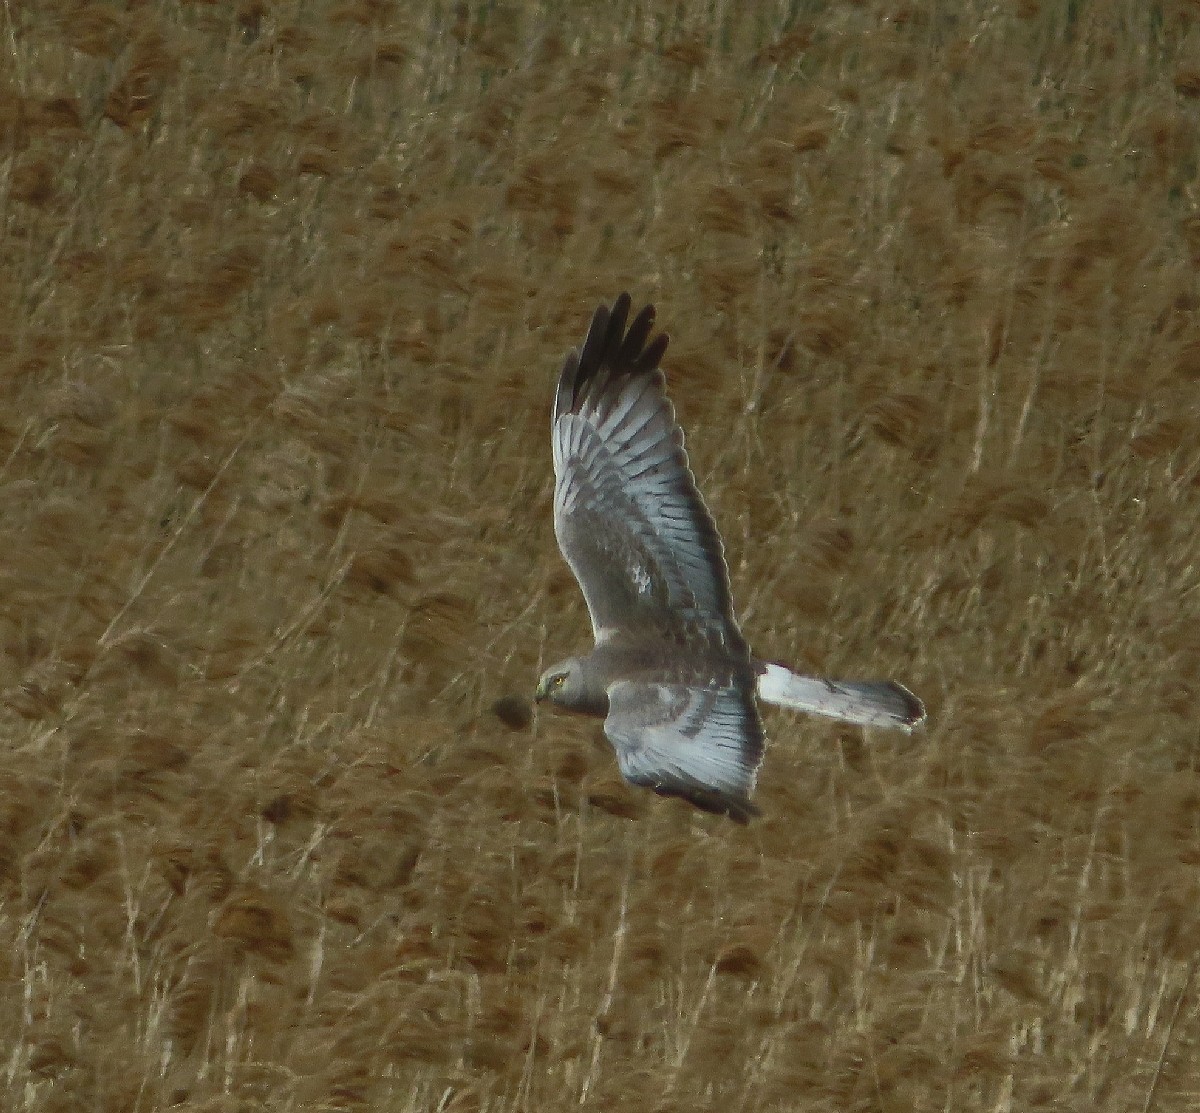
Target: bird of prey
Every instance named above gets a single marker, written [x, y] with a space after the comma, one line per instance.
[670, 673]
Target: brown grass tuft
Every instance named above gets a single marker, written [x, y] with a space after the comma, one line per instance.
[1160, 439]
[255, 923]
[437, 628]
[899, 419]
[830, 545]
[1067, 717]
[787, 48]
[34, 179]
[144, 653]
[382, 570]
[613, 797]
[259, 181]
[1187, 81]
[739, 960]
[152, 65]
[210, 295]
[99, 30]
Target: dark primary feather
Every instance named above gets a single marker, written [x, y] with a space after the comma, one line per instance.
[628, 515]
[609, 351]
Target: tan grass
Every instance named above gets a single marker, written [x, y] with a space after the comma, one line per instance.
[284, 292]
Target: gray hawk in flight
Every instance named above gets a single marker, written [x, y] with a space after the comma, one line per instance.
[670, 672]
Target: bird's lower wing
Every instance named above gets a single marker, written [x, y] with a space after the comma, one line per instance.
[703, 744]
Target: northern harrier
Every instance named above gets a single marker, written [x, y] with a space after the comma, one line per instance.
[670, 673]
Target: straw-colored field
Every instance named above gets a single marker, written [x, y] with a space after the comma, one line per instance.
[285, 287]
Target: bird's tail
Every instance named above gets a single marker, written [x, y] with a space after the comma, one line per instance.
[870, 703]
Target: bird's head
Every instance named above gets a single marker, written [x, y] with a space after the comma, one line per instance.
[561, 684]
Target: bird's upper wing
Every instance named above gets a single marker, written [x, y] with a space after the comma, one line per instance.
[627, 514]
[704, 744]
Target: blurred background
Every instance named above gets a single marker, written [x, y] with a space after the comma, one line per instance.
[285, 289]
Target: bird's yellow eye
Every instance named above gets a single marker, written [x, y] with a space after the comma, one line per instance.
[559, 680]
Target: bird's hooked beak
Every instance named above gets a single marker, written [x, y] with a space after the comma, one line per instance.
[540, 692]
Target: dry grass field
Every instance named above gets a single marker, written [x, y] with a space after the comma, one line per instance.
[285, 288]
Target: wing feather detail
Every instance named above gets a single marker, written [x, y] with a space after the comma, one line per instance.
[627, 513]
[702, 743]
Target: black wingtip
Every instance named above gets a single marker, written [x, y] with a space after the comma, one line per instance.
[911, 706]
[737, 808]
[742, 811]
[610, 346]
[611, 355]
[617, 316]
[630, 348]
[592, 353]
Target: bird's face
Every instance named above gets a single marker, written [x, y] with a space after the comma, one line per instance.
[559, 683]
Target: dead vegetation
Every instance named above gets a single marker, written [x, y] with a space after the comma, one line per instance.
[285, 287]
